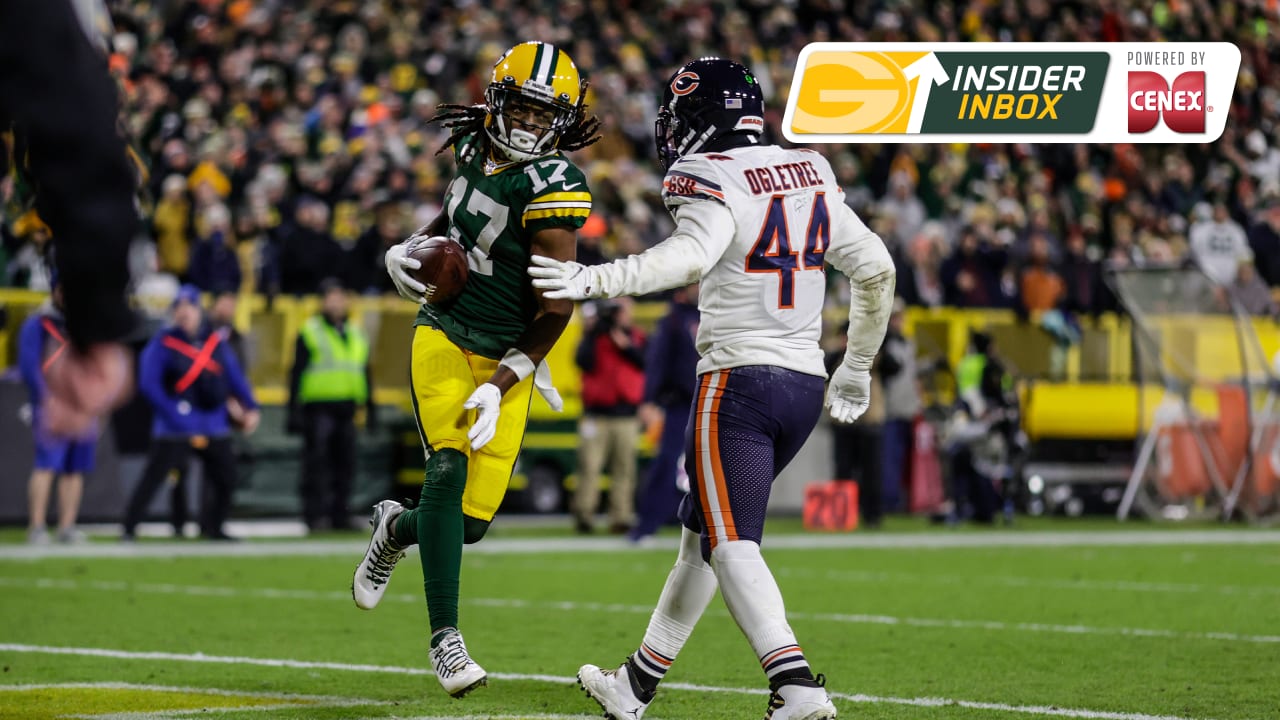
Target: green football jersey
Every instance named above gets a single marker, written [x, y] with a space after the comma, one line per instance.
[495, 212]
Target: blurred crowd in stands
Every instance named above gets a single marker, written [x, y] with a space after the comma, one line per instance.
[280, 143]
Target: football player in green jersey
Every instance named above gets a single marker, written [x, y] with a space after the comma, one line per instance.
[477, 360]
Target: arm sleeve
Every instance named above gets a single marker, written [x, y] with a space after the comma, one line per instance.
[56, 90]
[861, 256]
[151, 382]
[30, 346]
[301, 358]
[703, 232]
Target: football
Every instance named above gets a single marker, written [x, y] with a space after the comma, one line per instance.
[444, 268]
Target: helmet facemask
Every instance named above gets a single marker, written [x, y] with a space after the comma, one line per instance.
[522, 123]
[663, 135]
[680, 133]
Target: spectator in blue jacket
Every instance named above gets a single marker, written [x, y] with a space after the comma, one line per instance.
[215, 267]
[670, 381]
[42, 343]
[196, 388]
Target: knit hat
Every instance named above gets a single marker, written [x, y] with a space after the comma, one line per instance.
[189, 294]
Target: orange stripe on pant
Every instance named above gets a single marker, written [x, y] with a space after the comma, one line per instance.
[699, 420]
[710, 469]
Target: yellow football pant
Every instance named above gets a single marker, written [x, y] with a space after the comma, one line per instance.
[443, 376]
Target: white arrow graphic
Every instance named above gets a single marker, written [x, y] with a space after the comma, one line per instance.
[930, 71]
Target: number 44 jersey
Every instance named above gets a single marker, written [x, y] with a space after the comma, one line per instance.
[762, 301]
[494, 212]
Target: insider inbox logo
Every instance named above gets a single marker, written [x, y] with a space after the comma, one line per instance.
[1011, 92]
[1177, 95]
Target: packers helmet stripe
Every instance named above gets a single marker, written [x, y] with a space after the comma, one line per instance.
[542, 63]
[555, 61]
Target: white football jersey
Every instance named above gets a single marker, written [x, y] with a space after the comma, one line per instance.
[762, 301]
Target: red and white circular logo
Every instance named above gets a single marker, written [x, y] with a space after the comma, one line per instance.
[684, 83]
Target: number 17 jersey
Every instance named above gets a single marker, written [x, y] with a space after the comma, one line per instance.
[494, 212]
[762, 301]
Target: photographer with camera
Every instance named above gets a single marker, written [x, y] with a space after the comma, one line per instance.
[612, 360]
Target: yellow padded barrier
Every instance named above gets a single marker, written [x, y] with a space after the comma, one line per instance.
[1101, 411]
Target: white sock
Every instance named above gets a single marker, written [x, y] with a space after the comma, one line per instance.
[755, 603]
[688, 591]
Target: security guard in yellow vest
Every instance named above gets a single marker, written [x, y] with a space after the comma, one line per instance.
[329, 381]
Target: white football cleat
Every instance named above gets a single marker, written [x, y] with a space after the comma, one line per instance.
[613, 691]
[801, 700]
[373, 572]
[455, 669]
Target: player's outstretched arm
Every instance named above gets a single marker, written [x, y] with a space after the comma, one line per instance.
[860, 255]
[703, 232]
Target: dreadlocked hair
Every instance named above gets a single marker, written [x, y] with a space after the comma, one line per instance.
[464, 120]
[461, 120]
[583, 132]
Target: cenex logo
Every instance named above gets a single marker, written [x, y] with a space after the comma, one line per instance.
[1182, 105]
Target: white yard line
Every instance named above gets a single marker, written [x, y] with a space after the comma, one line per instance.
[508, 546]
[863, 619]
[923, 702]
[587, 606]
[871, 576]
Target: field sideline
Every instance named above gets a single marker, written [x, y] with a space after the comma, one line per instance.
[1087, 620]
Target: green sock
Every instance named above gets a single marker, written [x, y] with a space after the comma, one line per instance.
[439, 534]
[405, 529]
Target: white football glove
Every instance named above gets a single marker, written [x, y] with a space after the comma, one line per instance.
[563, 280]
[487, 402]
[542, 383]
[849, 394]
[398, 267]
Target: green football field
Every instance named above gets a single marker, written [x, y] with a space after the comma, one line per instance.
[1068, 620]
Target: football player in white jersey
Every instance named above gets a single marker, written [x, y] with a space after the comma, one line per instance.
[755, 224]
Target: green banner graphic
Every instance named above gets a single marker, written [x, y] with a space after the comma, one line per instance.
[1016, 92]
